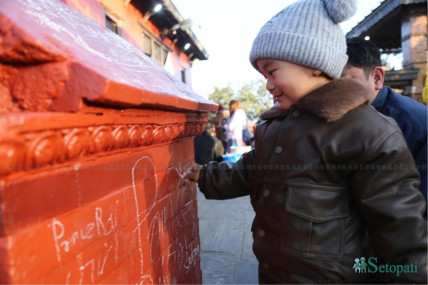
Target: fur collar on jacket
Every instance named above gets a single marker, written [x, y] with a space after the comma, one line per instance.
[331, 101]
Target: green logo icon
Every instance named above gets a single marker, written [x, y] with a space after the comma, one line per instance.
[360, 265]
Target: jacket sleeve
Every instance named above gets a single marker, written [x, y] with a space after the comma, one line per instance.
[226, 180]
[388, 197]
[421, 163]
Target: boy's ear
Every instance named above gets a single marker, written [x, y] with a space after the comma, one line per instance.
[379, 77]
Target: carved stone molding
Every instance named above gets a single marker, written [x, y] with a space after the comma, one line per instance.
[25, 151]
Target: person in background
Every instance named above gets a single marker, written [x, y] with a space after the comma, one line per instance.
[425, 91]
[237, 123]
[220, 121]
[325, 168]
[364, 64]
[208, 147]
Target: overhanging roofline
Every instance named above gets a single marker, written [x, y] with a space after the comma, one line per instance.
[171, 7]
[170, 23]
[384, 9]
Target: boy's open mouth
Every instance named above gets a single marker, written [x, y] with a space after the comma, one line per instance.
[277, 96]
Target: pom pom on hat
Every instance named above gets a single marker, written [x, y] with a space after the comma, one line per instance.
[340, 10]
[306, 33]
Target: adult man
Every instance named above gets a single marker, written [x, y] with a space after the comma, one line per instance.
[364, 64]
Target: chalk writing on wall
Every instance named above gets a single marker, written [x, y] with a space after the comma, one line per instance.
[161, 231]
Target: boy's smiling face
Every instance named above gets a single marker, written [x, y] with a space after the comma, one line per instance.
[288, 82]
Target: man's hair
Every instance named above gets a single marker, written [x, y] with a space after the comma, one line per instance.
[363, 54]
[209, 127]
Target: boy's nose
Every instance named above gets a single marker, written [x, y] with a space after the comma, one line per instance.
[269, 86]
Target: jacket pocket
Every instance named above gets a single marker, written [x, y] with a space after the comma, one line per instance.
[312, 224]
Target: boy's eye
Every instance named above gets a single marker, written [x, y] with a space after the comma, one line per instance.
[271, 72]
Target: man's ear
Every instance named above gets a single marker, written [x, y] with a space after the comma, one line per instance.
[379, 77]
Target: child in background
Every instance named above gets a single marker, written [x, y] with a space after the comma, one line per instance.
[330, 179]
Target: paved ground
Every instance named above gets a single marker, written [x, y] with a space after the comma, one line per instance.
[224, 229]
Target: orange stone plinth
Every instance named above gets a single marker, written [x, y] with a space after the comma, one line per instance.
[94, 137]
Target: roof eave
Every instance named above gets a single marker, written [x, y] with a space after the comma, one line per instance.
[385, 8]
[201, 52]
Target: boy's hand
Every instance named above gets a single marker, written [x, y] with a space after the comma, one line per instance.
[192, 173]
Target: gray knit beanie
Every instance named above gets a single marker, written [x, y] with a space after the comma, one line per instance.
[307, 33]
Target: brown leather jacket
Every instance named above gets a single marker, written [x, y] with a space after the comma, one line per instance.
[331, 182]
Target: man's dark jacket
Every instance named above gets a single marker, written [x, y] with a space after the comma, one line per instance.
[411, 116]
[208, 148]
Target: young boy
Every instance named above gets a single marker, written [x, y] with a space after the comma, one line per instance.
[330, 179]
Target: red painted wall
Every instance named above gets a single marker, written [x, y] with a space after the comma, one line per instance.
[119, 218]
[93, 139]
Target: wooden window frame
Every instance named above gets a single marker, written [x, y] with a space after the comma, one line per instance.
[163, 49]
[116, 23]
